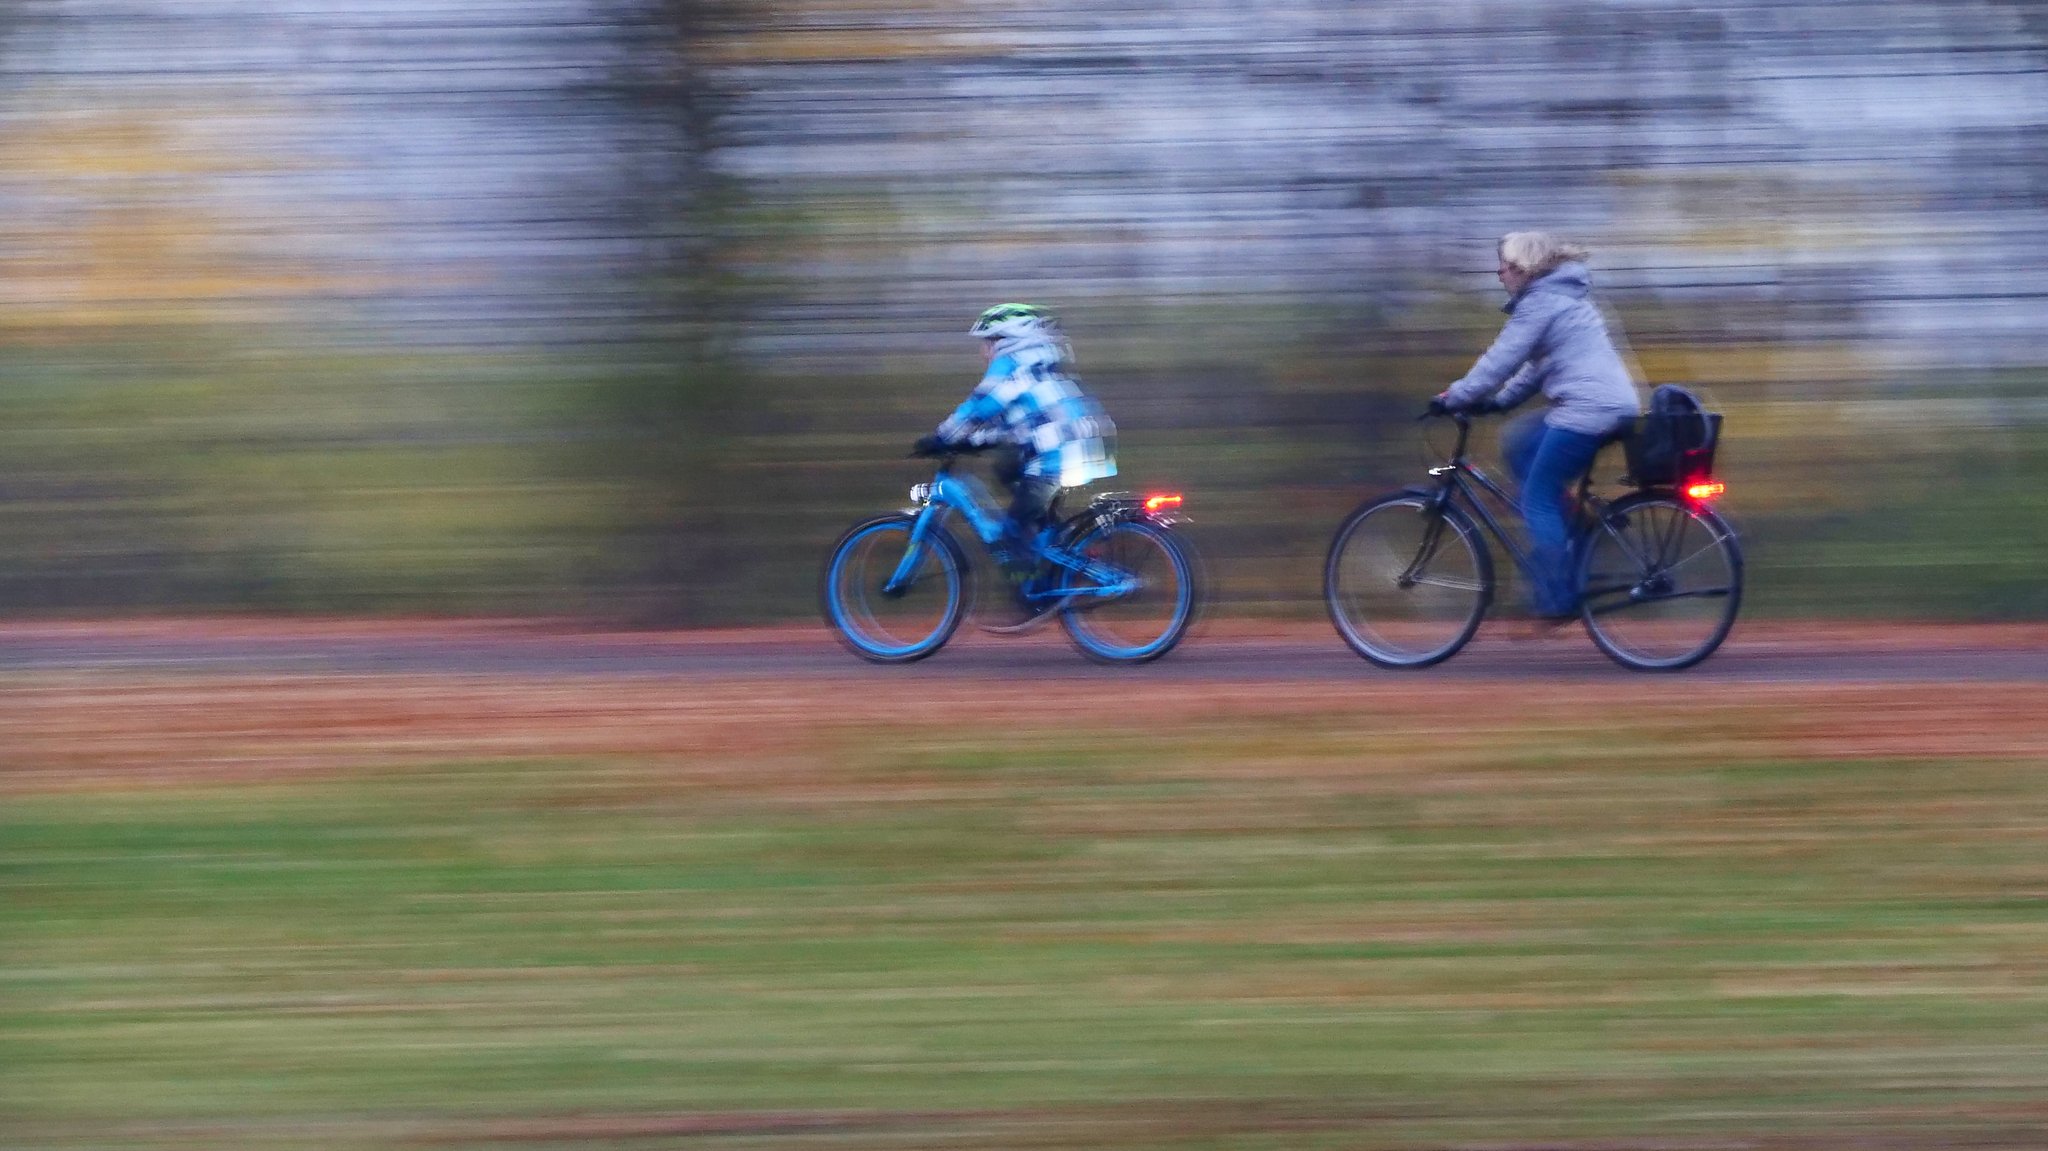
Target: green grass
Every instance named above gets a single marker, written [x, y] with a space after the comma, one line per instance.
[1109, 941]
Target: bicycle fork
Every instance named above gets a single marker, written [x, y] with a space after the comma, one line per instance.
[906, 568]
[1432, 538]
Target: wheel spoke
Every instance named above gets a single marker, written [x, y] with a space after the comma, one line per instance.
[1710, 549]
[1133, 598]
[1667, 528]
[887, 604]
[1662, 584]
[1470, 585]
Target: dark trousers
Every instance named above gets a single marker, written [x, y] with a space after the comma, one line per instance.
[1031, 499]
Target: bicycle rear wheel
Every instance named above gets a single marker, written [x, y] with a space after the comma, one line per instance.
[1662, 582]
[904, 624]
[1406, 582]
[1144, 622]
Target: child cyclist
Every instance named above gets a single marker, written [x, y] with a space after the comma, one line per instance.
[1054, 434]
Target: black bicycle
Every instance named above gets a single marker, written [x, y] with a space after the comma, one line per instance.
[1410, 575]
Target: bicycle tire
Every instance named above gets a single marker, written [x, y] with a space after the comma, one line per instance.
[1144, 625]
[893, 629]
[1661, 582]
[1407, 582]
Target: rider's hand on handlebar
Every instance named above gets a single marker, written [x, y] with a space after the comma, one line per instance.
[1440, 406]
[930, 446]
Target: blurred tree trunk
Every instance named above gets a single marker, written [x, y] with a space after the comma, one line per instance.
[669, 414]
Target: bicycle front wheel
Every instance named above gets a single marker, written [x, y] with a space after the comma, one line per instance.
[1662, 582]
[894, 624]
[1406, 581]
[1138, 602]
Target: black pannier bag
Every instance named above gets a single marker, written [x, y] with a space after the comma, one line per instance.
[1674, 441]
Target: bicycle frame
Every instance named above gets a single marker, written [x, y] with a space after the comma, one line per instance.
[1460, 482]
[968, 496]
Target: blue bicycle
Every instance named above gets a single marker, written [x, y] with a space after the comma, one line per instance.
[1121, 581]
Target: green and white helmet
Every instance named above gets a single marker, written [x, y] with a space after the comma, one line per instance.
[1009, 321]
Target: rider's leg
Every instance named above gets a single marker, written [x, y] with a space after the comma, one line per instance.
[1007, 465]
[1031, 500]
[1520, 436]
[1030, 506]
[1559, 459]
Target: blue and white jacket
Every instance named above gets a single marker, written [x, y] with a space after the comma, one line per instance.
[1027, 399]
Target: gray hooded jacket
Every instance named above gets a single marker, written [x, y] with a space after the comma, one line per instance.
[1555, 340]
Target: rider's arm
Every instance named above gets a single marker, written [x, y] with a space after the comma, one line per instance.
[1511, 349]
[982, 411]
[977, 412]
[1524, 384]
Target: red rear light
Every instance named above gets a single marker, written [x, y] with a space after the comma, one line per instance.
[1701, 491]
[1154, 503]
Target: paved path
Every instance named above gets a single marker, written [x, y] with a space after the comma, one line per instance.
[1280, 653]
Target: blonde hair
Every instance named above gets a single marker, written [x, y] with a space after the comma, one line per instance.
[1538, 253]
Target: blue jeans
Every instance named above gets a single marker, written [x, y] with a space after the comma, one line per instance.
[1548, 463]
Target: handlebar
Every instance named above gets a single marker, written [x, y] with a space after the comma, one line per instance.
[1463, 414]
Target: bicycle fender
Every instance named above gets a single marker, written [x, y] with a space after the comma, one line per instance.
[1434, 496]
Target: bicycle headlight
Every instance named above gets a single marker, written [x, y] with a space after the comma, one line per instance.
[920, 494]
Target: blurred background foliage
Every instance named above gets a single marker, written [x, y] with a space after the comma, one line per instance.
[625, 307]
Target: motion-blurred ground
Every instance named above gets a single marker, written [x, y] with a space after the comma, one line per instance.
[878, 910]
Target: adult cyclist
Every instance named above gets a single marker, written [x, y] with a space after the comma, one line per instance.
[1556, 342]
